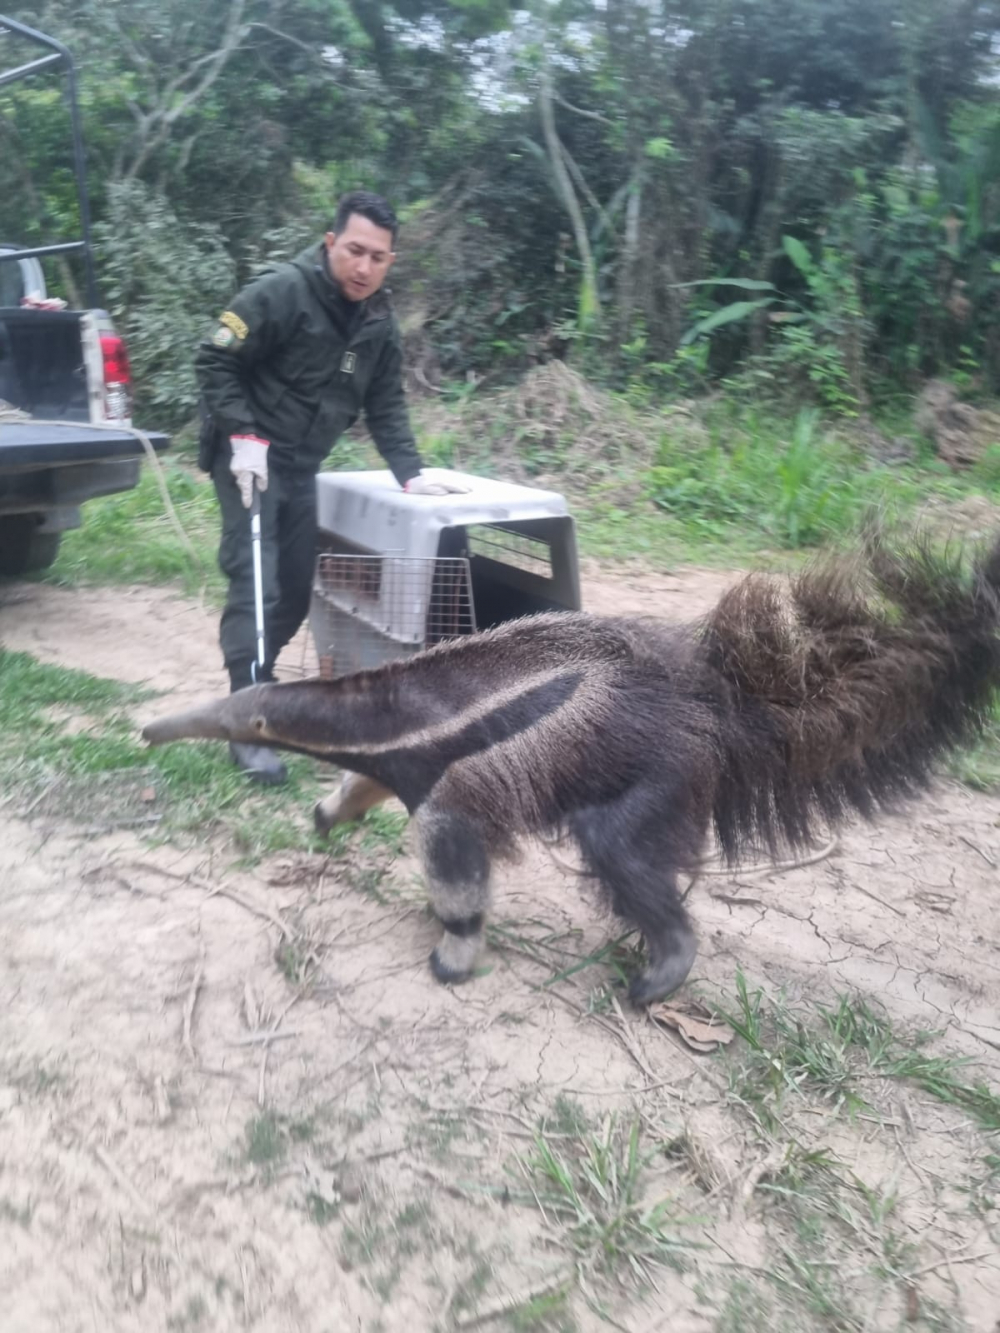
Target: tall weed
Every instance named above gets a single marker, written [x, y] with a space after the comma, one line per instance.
[795, 494]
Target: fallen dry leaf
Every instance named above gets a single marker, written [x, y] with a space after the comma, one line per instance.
[697, 1028]
[912, 1304]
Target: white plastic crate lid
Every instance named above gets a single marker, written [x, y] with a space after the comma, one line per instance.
[370, 510]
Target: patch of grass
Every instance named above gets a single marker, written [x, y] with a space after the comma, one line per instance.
[547, 1313]
[362, 1241]
[979, 766]
[101, 772]
[824, 1223]
[413, 1227]
[368, 881]
[837, 1257]
[748, 483]
[191, 1317]
[128, 538]
[624, 956]
[321, 1210]
[535, 939]
[797, 489]
[471, 1290]
[371, 1240]
[36, 1080]
[593, 1190]
[567, 1117]
[304, 1129]
[295, 958]
[438, 1132]
[839, 1054]
[20, 1215]
[384, 830]
[266, 1140]
[31, 687]
[747, 1309]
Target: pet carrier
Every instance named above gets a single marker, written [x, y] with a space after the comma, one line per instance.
[397, 573]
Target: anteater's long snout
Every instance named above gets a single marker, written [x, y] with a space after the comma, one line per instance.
[205, 723]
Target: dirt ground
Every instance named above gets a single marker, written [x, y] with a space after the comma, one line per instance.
[189, 1140]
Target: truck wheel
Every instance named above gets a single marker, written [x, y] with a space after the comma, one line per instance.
[22, 547]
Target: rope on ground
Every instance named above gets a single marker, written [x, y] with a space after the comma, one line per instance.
[766, 867]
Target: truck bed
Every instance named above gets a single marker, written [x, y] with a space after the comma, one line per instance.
[35, 444]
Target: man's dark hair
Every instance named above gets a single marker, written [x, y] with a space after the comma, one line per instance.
[367, 205]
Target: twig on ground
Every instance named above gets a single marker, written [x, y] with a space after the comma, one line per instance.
[265, 913]
[246, 1283]
[220, 890]
[189, 1004]
[918, 1171]
[875, 898]
[766, 1166]
[509, 1304]
[272, 1034]
[263, 1038]
[629, 1042]
[119, 1176]
[987, 1041]
[985, 855]
[948, 1260]
[450, 1186]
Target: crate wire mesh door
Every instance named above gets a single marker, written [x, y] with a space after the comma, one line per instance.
[370, 609]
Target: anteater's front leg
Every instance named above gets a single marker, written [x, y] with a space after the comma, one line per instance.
[355, 795]
[457, 865]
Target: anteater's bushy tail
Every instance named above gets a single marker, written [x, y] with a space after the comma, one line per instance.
[846, 688]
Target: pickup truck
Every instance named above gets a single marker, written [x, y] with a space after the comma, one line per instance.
[65, 386]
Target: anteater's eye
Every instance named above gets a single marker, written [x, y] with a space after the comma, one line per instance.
[258, 723]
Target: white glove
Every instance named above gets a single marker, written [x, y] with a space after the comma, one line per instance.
[432, 481]
[249, 462]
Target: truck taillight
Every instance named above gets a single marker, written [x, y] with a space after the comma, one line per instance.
[117, 378]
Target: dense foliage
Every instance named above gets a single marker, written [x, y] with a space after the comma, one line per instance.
[801, 195]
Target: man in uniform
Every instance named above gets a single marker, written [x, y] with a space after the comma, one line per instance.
[301, 352]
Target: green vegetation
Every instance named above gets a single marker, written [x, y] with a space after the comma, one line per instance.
[796, 199]
[266, 1140]
[129, 538]
[69, 743]
[843, 1055]
[595, 1190]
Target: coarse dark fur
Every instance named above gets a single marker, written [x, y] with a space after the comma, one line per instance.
[782, 708]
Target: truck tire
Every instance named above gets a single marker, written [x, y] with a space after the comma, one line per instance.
[23, 548]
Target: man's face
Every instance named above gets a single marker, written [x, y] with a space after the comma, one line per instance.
[360, 257]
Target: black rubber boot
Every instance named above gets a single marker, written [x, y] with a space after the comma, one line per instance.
[259, 763]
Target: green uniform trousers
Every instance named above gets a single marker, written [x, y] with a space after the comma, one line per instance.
[288, 557]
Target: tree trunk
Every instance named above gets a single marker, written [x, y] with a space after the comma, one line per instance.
[590, 301]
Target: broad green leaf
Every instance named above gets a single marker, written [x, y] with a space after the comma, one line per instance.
[798, 253]
[744, 284]
[729, 314]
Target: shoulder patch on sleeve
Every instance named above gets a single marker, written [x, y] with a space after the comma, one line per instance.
[223, 337]
[234, 322]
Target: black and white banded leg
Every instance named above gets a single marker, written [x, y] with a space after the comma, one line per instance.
[457, 866]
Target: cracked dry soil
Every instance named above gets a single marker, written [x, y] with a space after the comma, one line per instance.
[188, 1142]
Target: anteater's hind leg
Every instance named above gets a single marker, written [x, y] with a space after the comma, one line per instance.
[634, 846]
[355, 795]
[457, 866]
